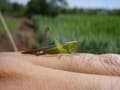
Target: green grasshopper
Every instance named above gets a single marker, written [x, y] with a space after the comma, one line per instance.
[68, 47]
[58, 48]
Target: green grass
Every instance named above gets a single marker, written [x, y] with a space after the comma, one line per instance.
[11, 22]
[96, 33]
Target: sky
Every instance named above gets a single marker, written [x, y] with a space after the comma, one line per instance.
[109, 4]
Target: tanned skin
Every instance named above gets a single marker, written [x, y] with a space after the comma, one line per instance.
[59, 72]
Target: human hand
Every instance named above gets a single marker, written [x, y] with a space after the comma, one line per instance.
[59, 72]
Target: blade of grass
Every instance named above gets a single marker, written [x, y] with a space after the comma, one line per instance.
[8, 32]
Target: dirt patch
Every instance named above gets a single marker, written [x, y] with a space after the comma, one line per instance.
[23, 35]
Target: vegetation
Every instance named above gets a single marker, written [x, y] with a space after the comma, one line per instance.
[96, 33]
[17, 10]
[44, 7]
[97, 30]
[48, 8]
[4, 5]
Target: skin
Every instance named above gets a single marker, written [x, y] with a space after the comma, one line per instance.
[59, 72]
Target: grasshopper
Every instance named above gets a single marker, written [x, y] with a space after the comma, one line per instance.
[58, 48]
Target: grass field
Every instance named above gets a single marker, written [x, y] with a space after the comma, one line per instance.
[95, 33]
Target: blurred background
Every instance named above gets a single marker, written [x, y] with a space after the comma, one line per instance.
[95, 24]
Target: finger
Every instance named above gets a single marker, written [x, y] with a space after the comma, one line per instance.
[106, 64]
[22, 75]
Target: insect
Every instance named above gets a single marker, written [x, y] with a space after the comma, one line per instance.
[57, 48]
